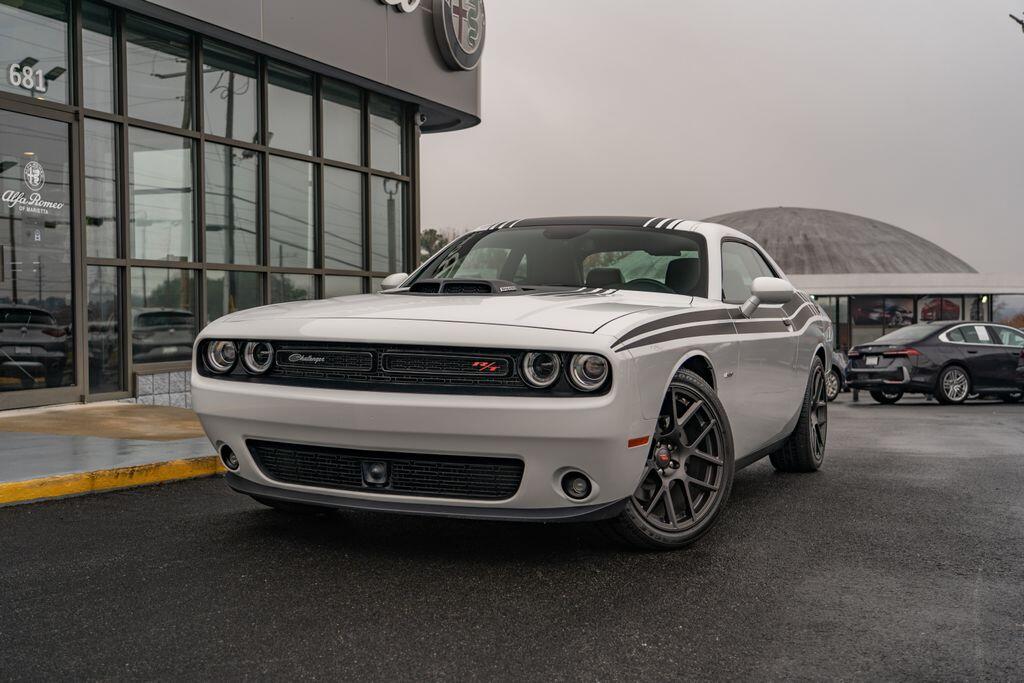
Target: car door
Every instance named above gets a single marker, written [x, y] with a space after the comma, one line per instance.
[983, 355]
[1012, 342]
[768, 348]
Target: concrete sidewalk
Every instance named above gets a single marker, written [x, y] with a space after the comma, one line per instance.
[68, 450]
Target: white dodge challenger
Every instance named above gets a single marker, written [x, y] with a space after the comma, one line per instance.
[556, 369]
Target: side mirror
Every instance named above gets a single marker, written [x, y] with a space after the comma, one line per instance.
[767, 290]
[393, 281]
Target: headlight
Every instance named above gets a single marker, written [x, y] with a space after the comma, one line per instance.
[588, 372]
[540, 368]
[221, 356]
[257, 357]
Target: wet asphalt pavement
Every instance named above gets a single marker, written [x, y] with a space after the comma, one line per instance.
[902, 558]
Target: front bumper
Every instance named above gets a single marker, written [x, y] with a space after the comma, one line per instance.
[549, 435]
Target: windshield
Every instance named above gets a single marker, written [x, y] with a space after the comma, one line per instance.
[906, 335]
[579, 256]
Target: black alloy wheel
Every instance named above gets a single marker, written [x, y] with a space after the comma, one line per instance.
[688, 474]
[887, 396]
[833, 385]
[804, 450]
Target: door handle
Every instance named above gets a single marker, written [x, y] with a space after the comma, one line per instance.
[972, 351]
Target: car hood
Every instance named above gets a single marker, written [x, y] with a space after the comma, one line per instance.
[569, 311]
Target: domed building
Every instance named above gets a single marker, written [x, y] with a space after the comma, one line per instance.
[872, 276]
[814, 241]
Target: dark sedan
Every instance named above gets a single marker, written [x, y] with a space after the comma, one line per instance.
[949, 360]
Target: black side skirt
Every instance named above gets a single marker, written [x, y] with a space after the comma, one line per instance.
[582, 513]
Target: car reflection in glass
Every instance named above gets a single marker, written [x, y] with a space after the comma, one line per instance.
[33, 347]
[162, 334]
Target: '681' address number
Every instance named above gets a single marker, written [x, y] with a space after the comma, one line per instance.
[26, 77]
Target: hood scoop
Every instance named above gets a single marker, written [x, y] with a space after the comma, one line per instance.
[461, 286]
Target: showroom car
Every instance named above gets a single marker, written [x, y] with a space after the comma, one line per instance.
[32, 346]
[565, 369]
[951, 361]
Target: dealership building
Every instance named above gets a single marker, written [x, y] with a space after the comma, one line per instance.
[164, 163]
[871, 277]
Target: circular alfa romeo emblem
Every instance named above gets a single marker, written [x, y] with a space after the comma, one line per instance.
[34, 176]
[461, 27]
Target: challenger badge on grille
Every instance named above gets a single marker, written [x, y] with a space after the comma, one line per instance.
[320, 359]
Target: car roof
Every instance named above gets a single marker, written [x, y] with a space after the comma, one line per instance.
[656, 222]
[24, 307]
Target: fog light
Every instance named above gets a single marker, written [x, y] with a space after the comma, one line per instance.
[228, 457]
[375, 473]
[576, 486]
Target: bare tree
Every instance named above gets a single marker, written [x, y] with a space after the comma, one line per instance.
[1019, 21]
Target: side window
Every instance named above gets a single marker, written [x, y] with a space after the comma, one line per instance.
[975, 334]
[955, 335]
[1010, 337]
[740, 265]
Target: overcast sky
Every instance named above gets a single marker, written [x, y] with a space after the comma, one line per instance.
[906, 111]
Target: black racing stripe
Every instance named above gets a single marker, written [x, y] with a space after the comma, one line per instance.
[684, 333]
[698, 316]
[801, 319]
[762, 326]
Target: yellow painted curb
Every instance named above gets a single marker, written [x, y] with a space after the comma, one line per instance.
[108, 480]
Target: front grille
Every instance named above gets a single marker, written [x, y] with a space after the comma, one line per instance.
[400, 368]
[436, 476]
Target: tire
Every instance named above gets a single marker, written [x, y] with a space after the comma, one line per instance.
[953, 386]
[833, 385]
[677, 503]
[291, 508]
[887, 398]
[804, 450]
[1012, 398]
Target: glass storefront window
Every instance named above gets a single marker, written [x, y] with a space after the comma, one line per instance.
[343, 219]
[387, 233]
[290, 105]
[160, 188]
[1008, 309]
[232, 205]
[103, 288]
[292, 217]
[163, 314]
[291, 287]
[386, 135]
[98, 57]
[101, 233]
[336, 285]
[36, 306]
[230, 92]
[343, 122]
[228, 291]
[34, 49]
[159, 68]
[976, 308]
[931, 308]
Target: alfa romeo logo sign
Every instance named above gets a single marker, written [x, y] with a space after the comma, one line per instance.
[461, 27]
[34, 176]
